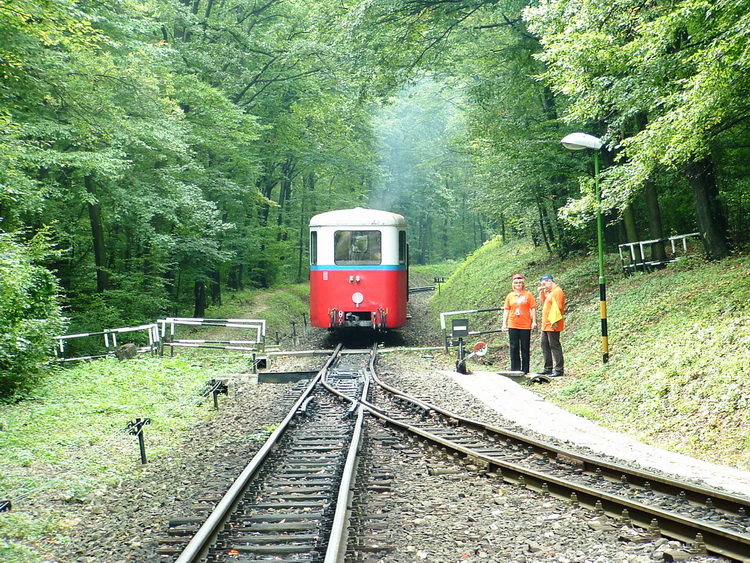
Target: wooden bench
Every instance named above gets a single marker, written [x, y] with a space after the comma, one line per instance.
[633, 254]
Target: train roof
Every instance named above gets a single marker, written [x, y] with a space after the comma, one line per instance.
[359, 216]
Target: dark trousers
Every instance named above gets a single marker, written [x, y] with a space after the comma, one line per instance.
[552, 352]
[520, 346]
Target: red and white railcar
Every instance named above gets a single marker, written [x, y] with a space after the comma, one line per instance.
[358, 269]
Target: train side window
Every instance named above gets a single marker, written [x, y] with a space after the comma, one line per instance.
[402, 247]
[313, 248]
[357, 247]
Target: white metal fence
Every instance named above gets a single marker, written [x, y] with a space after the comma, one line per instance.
[154, 337]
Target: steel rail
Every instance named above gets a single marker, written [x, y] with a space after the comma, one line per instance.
[723, 500]
[717, 540]
[338, 537]
[198, 546]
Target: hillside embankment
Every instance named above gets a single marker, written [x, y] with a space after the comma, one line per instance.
[679, 344]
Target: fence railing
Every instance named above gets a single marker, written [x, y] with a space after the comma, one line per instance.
[163, 333]
[106, 341]
[633, 255]
[255, 327]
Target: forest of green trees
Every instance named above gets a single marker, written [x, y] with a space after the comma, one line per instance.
[159, 153]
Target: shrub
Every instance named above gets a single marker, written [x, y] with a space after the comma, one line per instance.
[30, 314]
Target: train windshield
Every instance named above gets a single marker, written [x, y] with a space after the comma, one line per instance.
[357, 247]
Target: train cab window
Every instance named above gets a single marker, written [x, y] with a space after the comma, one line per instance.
[357, 247]
[402, 247]
[313, 248]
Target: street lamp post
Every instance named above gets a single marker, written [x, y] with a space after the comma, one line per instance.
[577, 142]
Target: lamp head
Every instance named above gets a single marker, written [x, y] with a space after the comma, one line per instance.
[580, 141]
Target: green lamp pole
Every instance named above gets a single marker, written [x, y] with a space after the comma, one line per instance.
[577, 142]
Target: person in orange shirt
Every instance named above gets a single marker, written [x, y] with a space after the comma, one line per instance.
[519, 318]
[553, 321]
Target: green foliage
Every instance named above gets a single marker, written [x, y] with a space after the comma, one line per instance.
[19, 527]
[665, 83]
[174, 146]
[29, 313]
[424, 275]
[690, 366]
[280, 307]
[429, 178]
[170, 149]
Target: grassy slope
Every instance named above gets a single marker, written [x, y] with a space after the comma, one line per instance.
[679, 344]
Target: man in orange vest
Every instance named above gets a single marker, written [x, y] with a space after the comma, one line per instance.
[553, 321]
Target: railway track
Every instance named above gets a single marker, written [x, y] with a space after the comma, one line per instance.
[293, 502]
[709, 520]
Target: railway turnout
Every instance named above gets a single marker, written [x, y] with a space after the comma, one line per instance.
[293, 501]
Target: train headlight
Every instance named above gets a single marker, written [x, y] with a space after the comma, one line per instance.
[357, 298]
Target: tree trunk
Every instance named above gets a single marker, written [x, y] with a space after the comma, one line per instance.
[444, 240]
[285, 194]
[266, 183]
[259, 273]
[542, 221]
[425, 238]
[631, 231]
[308, 185]
[97, 233]
[548, 104]
[216, 287]
[235, 280]
[711, 220]
[655, 231]
[177, 287]
[200, 299]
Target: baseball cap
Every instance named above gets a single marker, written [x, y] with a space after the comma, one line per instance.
[546, 277]
[518, 276]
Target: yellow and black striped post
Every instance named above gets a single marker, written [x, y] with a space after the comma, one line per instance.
[602, 283]
[578, 142]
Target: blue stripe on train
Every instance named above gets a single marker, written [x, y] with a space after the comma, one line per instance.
[357, 267]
